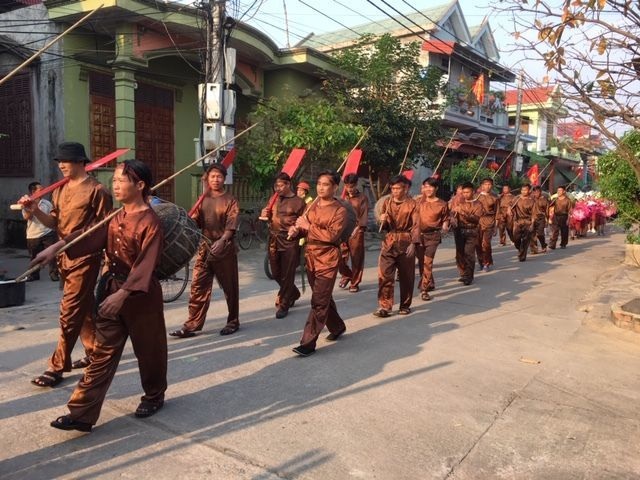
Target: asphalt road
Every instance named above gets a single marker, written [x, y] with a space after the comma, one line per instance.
[513, 377]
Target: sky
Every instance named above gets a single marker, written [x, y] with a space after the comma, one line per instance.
[268, 16]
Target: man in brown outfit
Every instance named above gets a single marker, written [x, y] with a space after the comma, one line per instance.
[521, 213]
[433, 214]
[489, 204]
[217, 216]
[540, 218]
[354, 248]
[561, 211]
[504, 204]
[284, 251]
[323, 225]
[467, 215]
[77, 205]
[398, 251]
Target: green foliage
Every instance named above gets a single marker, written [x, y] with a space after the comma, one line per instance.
[465, 170]
[390, 91]
[618, 182]
[323, 127]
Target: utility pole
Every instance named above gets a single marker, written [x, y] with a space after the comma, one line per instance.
[217, 101]
[517, 146]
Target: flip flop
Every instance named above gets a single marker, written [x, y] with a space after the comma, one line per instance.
[82, 363]
[65, 422]
[182, 333]
[47, 379]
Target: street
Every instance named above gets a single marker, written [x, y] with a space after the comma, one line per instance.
[519, 376]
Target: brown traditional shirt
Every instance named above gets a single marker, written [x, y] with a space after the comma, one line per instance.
[403, 224]
[562, 205]
[133, 243]
[80, 206]
[284, 214]
[540, 207]
[360, 204]
[215, 215]
[323, 238]
[469, 213]
[522, 208]
[432, 214]
[504, 204]
[489, 204]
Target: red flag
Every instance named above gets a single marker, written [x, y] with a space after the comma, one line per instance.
[408, 174]
[353, 162]
[478, 88]
[290, 167]
[533, 174]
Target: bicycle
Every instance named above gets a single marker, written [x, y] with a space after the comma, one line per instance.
[174, 286]
[250, 227]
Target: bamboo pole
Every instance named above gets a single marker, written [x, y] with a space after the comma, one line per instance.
[354, 147]
[445, 151]
[483, 159]
[47, 46]
[406, 153]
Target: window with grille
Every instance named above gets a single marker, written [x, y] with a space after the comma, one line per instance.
[16, 127]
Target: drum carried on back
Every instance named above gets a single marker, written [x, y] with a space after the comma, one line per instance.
[181, 238]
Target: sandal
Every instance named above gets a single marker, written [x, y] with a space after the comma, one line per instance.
[146, 409]
[182, 333]
[65, 422]
[82, 363]
[354, 288]
[48, 379]
[228, 330]
[343, 283]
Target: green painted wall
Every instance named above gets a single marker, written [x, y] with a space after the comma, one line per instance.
[279, 82]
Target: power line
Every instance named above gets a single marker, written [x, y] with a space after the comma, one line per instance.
[330, 18]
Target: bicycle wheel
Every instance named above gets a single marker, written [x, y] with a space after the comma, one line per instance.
[267, 267]
[262, 230]
[174, 286]
[245, 236]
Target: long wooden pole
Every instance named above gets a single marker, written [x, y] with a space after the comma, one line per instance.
[445, 151]
[354, 147]
[406, 153]
[47, 46]
[98, 225]
[483, 159]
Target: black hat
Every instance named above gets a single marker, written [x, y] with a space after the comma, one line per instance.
[71, 152]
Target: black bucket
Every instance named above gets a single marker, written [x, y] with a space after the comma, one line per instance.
[12, 293]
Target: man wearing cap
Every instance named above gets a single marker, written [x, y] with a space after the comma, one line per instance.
[77, 205]
[217, 216]
[283, 250]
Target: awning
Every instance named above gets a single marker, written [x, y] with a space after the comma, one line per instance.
[438, 46]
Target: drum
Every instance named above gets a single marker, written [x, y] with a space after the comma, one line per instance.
[181, 238]
[380, 205]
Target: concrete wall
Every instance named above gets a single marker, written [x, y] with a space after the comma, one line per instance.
[47, 109]
[279, 82]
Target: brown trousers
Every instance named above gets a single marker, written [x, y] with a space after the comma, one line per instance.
[466, 243]
[323, 308]
[504, 229]
[76, 309]
[284, 263]
[142, 319]
[225, 269]
[426, 252]
[354, 249]
[559, 228]
[538, 234]
[521, 238]
[388, 262]
[483, 249]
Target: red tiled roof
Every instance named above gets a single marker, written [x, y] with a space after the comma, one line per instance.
[540, 95]
[438, 46]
